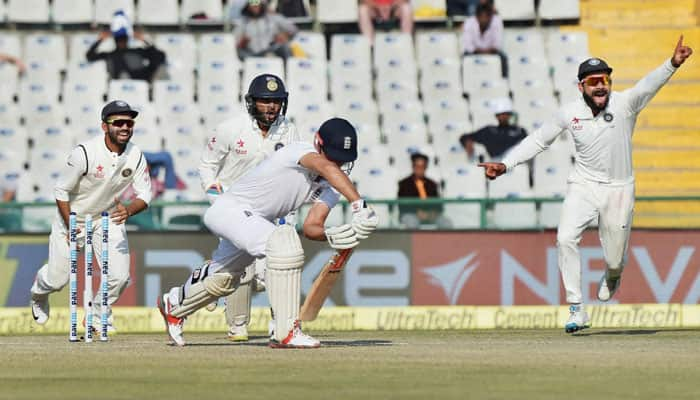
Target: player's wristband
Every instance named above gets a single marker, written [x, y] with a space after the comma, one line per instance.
[358, 205]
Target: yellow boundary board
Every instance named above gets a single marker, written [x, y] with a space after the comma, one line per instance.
[18, 320]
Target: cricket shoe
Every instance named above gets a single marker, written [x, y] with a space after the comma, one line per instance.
[296, 339]
[578, 319]
[40, 308]
[173, 325]
[238, 333]
[608, 286]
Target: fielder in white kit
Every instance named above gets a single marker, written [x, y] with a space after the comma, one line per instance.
[244, 217]
[95, 175]
[601, 185]
[237, 145]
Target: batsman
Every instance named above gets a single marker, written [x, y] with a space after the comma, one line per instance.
[244, 216]
[601, 184]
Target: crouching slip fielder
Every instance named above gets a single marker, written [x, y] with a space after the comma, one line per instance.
[243, 216]
[236, 146]
[96, 173]
[601, 185]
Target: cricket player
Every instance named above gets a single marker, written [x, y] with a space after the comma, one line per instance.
[236, 146]
[244, 217]
[95, 175]
[601, 184]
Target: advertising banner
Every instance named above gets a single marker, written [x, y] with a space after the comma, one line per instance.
[403, 269]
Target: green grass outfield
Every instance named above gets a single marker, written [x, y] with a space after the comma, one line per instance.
[500, 364]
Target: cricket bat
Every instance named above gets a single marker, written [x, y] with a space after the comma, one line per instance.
[323, 284]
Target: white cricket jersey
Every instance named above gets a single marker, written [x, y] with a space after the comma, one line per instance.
[94, 176]
[237, 145]
[280, 185]
[604, 142]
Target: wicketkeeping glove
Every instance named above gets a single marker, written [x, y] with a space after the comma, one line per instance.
[342, 237]
[364, 219]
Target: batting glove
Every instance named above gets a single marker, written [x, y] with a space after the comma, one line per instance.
[364, 219]
[342, 237]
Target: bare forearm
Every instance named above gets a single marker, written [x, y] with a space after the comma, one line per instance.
[340, 182]
[136, 206]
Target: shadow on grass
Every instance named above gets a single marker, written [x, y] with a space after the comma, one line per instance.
[632, 332]
[324, 343]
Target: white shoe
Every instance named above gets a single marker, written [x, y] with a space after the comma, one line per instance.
[238, 333]
[173, 325]
[40, 308]
[578, 319]
[296, 339]
[608, 286]
[212, 306]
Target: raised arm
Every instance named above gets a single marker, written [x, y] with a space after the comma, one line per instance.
[641, 94]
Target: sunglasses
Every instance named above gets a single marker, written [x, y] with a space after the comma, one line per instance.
[121, 122]
[595, 80]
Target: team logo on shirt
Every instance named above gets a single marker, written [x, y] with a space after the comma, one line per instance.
[211, 143]
[608, 117]
[576, 124]
[100, 173]
[126, 172]
[239, 147]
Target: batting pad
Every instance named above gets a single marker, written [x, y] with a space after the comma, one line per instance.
[285, 257]
[204, 292]
[238, 302]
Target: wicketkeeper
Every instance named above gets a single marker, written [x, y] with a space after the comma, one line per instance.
[237, 145]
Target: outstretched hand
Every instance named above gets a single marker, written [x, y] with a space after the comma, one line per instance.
[681, 53]
[493, 169]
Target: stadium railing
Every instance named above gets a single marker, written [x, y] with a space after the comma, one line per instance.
[37, 217]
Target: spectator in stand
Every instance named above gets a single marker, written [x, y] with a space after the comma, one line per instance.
[292, 8]
[417, 185]
[126, 62]
[483, 34]
[13, 60]
[497, 139]
[261, 32]
[384, 12]
[171, 183]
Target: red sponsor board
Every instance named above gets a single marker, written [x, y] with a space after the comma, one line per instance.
[492, 268]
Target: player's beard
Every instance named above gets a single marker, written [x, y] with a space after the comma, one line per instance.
[116, 135]
[591, 102]
[265, 118]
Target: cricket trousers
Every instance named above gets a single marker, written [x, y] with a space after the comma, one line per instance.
[54, 275]
[612, 205]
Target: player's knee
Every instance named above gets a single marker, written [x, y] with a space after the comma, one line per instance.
[220, 284]
[283, 249]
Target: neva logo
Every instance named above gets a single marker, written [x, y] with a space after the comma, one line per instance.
[452, 277]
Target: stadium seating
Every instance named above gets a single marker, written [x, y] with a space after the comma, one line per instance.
[28, 11]
[72, 11]
[407, 93]
[158, 12]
